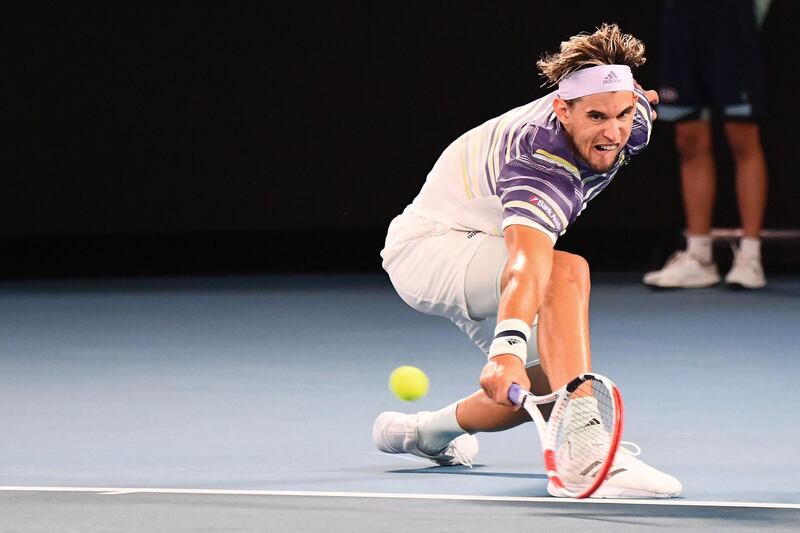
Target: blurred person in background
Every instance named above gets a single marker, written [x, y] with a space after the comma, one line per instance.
[711, 65]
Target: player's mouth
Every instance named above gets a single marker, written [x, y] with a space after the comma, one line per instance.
[606, 147]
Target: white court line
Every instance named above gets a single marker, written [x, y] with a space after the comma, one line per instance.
[112, 491]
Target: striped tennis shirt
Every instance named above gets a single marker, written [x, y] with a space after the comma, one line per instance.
[519, 168]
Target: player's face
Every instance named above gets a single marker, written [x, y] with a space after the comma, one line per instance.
[599, 125]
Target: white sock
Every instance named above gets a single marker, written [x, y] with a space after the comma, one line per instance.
[699, 247]
[438, 429]
[750, 247]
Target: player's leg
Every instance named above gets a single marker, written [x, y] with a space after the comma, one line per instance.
[477, 413]
[562, 326]
[562, 339]
[436, 434]
[564, 312]
[427, 263]
[446, 436]
[564, 329]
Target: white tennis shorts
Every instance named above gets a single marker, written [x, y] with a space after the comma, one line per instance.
[451, 273]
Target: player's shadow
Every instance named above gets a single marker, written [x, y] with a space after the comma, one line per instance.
[464, 471]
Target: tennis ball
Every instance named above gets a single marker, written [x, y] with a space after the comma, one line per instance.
[408, 383]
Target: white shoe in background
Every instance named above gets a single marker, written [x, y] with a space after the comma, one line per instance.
[683, 271]
[746, 272]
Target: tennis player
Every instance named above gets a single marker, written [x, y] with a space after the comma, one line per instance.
[477, 246]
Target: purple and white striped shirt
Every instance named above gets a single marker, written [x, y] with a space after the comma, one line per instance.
[519, 168]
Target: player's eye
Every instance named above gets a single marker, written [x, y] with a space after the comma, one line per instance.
[596, 117]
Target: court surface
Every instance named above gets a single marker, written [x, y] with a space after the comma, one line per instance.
[246, 403]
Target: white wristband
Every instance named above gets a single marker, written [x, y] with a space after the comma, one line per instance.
[511, 337]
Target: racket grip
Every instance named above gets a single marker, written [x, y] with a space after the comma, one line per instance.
[516, 394]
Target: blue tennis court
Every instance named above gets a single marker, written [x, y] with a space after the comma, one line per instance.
[247, 401]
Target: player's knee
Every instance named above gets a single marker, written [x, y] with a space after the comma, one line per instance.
[571, 270]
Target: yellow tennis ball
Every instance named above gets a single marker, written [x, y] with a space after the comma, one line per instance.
[408, 383]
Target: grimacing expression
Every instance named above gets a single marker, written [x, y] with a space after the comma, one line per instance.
[599, 125]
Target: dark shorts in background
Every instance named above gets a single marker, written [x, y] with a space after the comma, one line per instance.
[710, 61]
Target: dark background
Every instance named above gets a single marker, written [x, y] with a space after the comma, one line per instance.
[247, 137]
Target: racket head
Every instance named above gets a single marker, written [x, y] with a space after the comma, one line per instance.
[584, 432]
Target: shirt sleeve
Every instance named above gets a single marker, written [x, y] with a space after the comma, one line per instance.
[642, 125]
[540, 192]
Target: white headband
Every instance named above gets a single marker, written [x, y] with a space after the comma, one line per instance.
[593, 80]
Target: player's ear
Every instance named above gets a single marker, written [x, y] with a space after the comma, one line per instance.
[561, 109]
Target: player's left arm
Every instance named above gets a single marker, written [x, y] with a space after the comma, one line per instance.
[650, 95]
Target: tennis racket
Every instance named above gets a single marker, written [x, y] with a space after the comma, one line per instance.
[582, 436]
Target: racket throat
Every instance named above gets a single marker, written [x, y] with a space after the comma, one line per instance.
[550, 467]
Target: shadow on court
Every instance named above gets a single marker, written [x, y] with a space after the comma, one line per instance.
[462, 471]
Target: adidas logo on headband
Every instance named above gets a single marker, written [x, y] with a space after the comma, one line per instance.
[611, 78]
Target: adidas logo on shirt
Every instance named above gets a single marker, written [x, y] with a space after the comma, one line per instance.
[611, 78]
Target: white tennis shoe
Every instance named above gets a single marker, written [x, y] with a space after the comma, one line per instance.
[746, 272]
[395, 432]
[580, 457]
[683, 271]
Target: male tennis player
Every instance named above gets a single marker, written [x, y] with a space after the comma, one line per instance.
[477, 246]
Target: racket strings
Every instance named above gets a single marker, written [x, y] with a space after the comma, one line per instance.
[583, 436]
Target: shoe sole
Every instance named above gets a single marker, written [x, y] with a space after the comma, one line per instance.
[606, 493]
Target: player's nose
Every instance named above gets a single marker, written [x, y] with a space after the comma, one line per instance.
[612, 132]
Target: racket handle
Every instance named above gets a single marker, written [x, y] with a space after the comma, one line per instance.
[516, 394]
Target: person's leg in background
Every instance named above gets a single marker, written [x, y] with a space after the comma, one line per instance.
[740, 83]
[694, 143]
[694, 267]
[684, 99]
[744, 140]
[726, 72]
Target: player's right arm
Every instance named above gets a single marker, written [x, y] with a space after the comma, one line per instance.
[530, 259]
[539, 195]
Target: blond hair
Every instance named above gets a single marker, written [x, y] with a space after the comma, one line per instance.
[606, 46]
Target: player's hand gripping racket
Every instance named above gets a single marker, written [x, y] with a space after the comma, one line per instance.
[581, 438]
